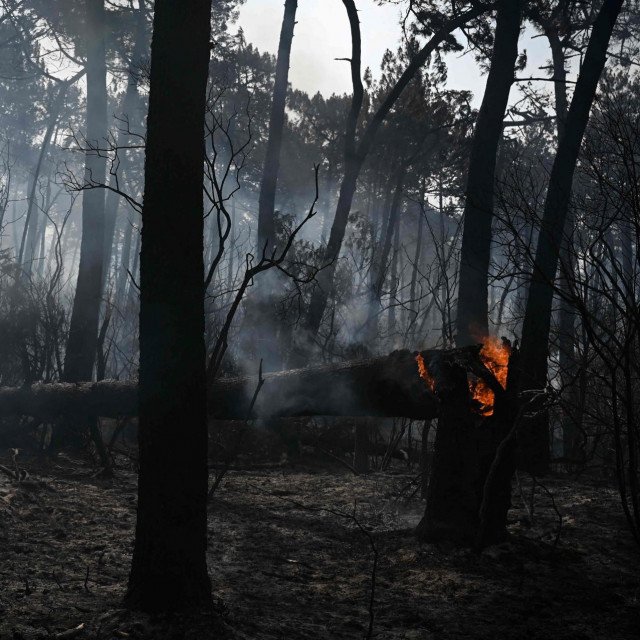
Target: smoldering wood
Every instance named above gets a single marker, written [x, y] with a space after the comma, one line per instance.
[388, 387]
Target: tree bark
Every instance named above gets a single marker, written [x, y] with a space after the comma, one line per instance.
[169, 571]
[83, 329]
[472, 321]
[534, 444]
[469, 492]
[266, 202]
[387, 387]
[54, 113]
[567, 319]
[131, 98]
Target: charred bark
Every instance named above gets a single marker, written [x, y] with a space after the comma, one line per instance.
[469, 492]
[537, 320]
[276, 126]
[388, 386]
[169, 571]
[83, 329]
[473, 311]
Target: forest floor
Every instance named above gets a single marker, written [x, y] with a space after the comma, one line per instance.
[292, 553]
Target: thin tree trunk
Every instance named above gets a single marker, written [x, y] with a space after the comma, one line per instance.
[566, 334]
[390, 230]
[125, 259]
[266, 203]
[169, 569]
[83, 329]
[472, 321]
[131, 99]
[413, 305]
[537, 320]
[395, 285]
[132, 290]
[54, 114]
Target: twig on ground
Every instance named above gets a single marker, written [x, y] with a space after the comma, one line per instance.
[555, 508]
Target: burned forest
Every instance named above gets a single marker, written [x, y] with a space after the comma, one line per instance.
[320, 319]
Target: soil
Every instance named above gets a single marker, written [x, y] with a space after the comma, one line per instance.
[292, 554]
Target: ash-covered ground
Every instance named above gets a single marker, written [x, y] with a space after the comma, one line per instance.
[292, 553]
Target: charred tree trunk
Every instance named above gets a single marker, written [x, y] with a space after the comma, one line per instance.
[388, 386]
[469, 492]
[473, 312]
[395, 289]
[426, 460]
[54, 113]
[413, 306]
[83, 330]
[169, 569]
[537, 319]
[129, 104]
[566, 337]
[452, 506]
[261, 319]
[269, 181]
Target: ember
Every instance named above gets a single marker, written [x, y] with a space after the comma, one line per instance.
[422, 370]
[495, 355]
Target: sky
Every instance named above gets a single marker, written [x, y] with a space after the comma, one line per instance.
[322, 34]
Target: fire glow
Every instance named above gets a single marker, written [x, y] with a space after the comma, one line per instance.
[495, 355]
[424, 374]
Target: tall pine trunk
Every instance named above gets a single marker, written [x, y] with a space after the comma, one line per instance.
[266, 203]
[537, 320]
[169, 569]
[129, 105]
[83, 329]
[472, 321]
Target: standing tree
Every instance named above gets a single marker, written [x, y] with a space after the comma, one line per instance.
[169, 570]
[473, 311]
[83, 330]
[537, 319]
[276, 127]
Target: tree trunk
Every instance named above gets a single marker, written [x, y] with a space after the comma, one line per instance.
[169, 569]
[266, 203]
[125, 259]
[469, 489]
[389, 387]
[472, 323]
[413, 306]
[566, 332]
[534, 445]
[54, 113]
[395, 288]
[426, 460]
[83, 329]
[131, 99]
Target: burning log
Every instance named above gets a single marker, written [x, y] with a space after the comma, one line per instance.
[398, 385]
[388, 386]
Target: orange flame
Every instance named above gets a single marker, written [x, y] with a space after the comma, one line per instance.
[495, 355]
[422, 370]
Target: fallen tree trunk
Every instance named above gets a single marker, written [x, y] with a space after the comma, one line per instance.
[388, 386]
